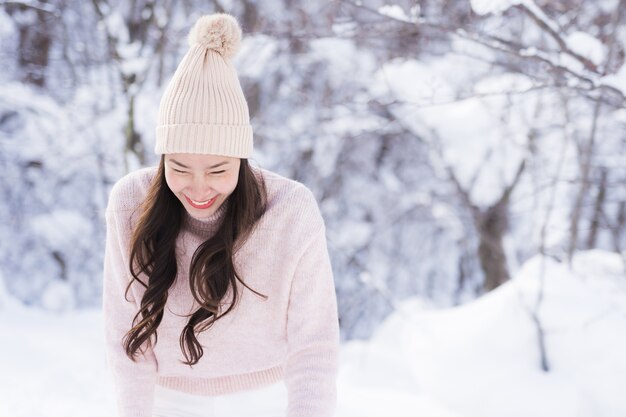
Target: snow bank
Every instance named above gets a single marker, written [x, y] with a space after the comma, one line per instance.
[482, 359]
[7, 302]
[477, 360]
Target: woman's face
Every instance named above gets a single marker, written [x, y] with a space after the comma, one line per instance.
[201, 182]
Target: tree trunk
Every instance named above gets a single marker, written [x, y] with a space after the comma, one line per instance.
[491, 226]
[35, 40]
[597, 210]
[134, 145]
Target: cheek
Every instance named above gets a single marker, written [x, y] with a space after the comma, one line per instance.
[174, 184]
[229, 185]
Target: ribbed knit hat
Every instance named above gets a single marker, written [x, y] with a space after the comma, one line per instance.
[203, 109]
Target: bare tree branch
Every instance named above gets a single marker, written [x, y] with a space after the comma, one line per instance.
[586, 83]
[612, 41]
[35, 5]
[550, 27]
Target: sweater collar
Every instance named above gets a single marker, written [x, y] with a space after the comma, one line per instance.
[207, 224]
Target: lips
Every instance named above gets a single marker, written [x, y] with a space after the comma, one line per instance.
[201, 205]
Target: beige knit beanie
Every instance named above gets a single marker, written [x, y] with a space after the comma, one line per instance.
[203, 109]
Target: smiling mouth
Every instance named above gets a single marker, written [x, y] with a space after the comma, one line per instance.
[201, 204]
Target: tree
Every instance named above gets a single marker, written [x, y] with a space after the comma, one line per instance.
[36, 23]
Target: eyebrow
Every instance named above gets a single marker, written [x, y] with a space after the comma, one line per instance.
[210, 167]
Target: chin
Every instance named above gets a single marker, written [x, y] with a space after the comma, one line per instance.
[202, 214]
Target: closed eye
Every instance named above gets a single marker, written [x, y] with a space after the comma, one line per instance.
[218, 172]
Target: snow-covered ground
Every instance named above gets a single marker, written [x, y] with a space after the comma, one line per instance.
[477, 360]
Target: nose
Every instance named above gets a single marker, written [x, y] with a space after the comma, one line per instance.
[200, 187]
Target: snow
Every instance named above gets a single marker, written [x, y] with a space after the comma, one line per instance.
[344, 29]
[255, 54]
[131, 60]
[352, 233]
[327, 149]
[586, 45]
[61, 228]
[57, 359]
[608, 6]
[617, 80]
[161, 16]
[58, 296]
[116, 26]
[483, 7]
[503, 83]
[27, 16]
[5, 299]
[364, 125]
[458, 112]
[481, 359]
[396, 12]
[476, 360]
[7, 26]
[483, 167]
[333, 52]
[412, 81]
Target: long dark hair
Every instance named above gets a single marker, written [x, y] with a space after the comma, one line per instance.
[212, 271]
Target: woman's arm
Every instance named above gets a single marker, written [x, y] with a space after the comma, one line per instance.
[134, 381]
[312, 333]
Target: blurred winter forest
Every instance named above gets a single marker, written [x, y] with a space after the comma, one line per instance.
[446, 141]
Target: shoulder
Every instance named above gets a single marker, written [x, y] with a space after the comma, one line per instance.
[283, 190]
[130, 190]
[290, 201]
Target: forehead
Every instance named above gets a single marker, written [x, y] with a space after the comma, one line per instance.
[198, 160]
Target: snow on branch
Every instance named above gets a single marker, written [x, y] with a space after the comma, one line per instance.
[587, 82]
[553, 29]
[483, 7]
[581, 73]
[547, 24]
[36, 5]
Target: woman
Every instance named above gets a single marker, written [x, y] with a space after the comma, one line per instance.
[218, 292]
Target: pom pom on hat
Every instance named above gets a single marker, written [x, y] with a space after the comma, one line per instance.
[219, 32]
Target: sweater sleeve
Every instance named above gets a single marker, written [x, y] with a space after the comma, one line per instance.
[134, 381]
[312, 334]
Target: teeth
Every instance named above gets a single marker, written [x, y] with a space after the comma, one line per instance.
[199, 203]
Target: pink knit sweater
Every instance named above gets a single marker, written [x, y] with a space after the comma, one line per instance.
[292, 335]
